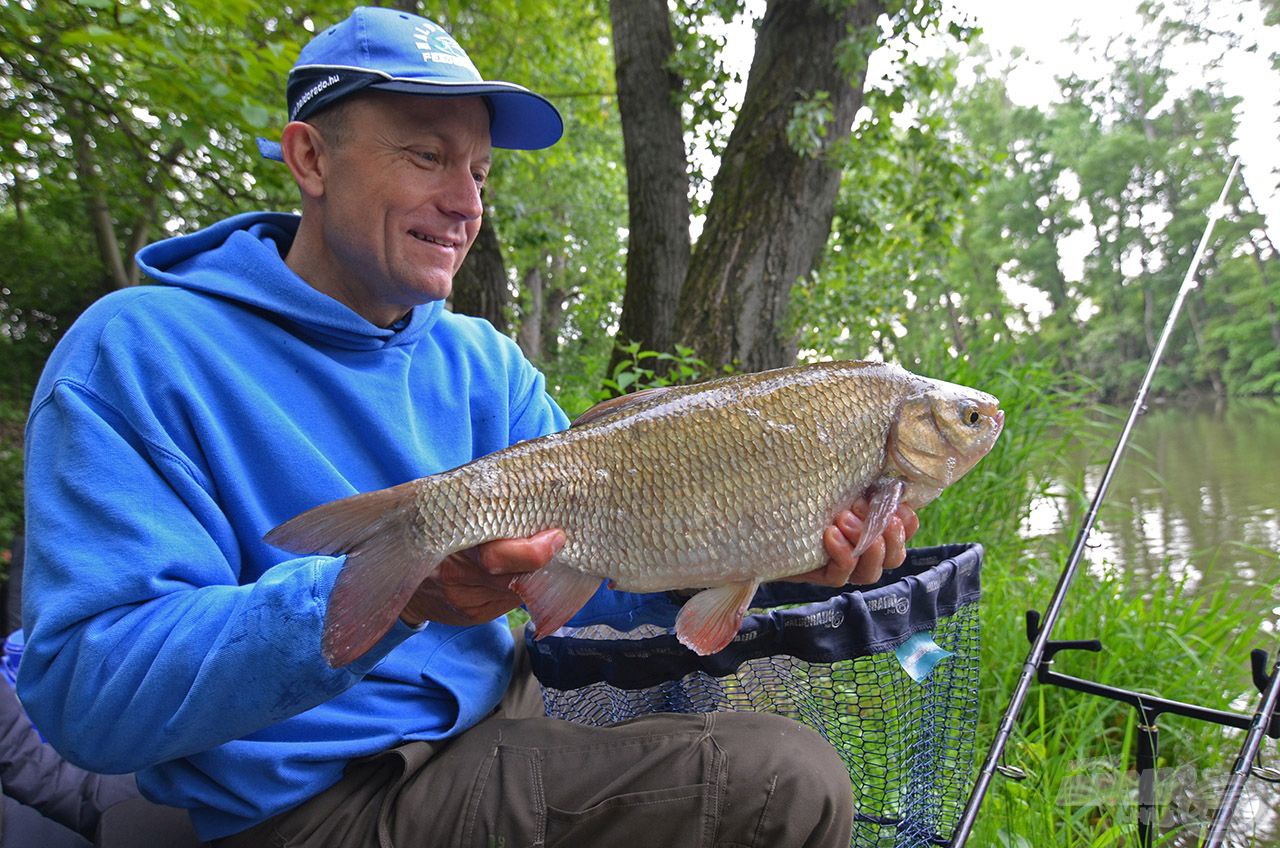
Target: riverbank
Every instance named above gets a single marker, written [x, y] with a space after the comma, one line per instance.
[1179, 585]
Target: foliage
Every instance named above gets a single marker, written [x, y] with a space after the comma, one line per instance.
[636, 372]
[557, 211]
[12, 418]
[944, 220]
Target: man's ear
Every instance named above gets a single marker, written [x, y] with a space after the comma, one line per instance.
[305, 153]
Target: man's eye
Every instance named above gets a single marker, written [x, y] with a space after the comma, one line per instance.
[479, 178]
[429, 156]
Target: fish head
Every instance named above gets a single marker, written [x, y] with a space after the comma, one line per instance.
[941, 432]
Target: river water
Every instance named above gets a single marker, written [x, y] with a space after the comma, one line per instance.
[1197, 496]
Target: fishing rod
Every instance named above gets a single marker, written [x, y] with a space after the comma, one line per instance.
[1262, 719]
[1045, 629]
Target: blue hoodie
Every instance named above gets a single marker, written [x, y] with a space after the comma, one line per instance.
[173, 426]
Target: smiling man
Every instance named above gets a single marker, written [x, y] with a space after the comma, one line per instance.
[391, 195]
[283, 361]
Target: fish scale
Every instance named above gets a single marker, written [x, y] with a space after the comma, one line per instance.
[717, 486]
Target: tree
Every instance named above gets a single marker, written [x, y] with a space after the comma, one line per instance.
[657, 173]
[120, 103]
[773, 198]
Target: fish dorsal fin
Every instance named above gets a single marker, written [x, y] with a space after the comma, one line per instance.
[605, 408]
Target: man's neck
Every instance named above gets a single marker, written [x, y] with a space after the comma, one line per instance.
[311, 260]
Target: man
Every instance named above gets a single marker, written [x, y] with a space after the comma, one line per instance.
[283, 362]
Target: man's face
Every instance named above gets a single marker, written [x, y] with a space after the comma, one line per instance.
[402, 199]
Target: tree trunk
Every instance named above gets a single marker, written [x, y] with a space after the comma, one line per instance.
[1148, 301]
[1212, 369]
[771, 207]
[95, 199]
[555, 301]
[657, 173]
[480, 286]
[529, 336]
[155, 188]
[19, 200]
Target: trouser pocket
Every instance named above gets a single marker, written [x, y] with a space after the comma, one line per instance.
[678, 817]
[542, 783]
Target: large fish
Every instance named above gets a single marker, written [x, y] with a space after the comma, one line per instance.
[718, 486]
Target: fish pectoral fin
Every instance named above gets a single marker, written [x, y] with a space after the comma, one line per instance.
[885, 497]
[371, 591]
[552, 595]
[710, 619]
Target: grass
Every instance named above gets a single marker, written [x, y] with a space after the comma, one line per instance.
[1158, 638]
[1079, 748]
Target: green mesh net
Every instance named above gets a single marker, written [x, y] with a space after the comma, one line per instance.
[828, 659]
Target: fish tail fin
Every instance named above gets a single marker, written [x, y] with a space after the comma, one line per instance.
[385, 564]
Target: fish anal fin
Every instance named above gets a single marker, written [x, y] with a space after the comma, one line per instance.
[605, 408]
[885, 496]
[710, 619]
[553, 594]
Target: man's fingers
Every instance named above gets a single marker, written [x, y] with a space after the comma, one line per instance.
[840, 539]
[910, 522]
[870, 564]
[861, 507]
[839, 552]
[895, 543]
[515, 556]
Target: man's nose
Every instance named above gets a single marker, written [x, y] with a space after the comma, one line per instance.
[462, 195]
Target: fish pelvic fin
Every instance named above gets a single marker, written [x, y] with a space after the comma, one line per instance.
[384, 565]
[884, 498]
[552, 594]
[710, 619]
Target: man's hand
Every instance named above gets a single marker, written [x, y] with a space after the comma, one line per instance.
[887, 552]
[473, 586]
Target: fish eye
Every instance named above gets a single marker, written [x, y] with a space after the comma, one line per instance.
[970, 416]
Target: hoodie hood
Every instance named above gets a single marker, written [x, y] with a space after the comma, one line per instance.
[242, 259]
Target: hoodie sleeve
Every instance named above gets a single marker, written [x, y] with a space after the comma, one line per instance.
[141, 646]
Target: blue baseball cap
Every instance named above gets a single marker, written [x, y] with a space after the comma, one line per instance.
[390, 50]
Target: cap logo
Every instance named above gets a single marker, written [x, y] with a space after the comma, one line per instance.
[438, 46]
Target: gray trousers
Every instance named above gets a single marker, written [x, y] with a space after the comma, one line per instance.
[521, 780]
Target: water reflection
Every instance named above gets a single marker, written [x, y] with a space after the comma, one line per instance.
[1196, 496]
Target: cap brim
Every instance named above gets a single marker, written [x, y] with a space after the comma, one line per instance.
[521, 119]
